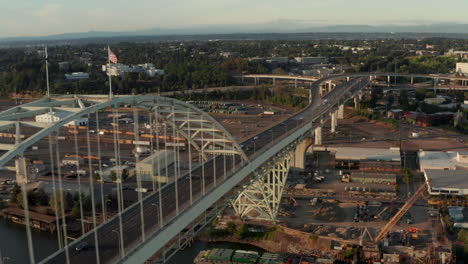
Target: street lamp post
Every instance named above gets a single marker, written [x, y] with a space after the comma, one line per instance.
[157, 206]
[118, 238]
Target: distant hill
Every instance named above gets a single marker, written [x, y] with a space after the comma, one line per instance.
[280, 26]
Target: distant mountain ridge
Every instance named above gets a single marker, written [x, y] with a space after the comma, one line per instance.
[280, 26]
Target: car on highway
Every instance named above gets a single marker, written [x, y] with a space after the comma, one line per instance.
[81, 246]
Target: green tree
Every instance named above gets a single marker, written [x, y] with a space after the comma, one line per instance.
[60, 199]
[41, 197]
[125, 174]
[113, 176]
[407, 175]
[242, 231]
[14, 193]
[279, 71]
[97, 176]
[231, 228]
[20, 200]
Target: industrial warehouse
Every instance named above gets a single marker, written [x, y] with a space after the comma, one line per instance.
[445, 172]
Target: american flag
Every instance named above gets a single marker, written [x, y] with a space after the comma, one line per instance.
[112, 57]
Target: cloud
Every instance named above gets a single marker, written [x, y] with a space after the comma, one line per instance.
[49, 11]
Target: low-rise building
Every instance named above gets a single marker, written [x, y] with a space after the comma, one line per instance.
[462, 67]
[311, 60]
[435, 119]
[395, 114]
[458, 53]
[154, 166]
[445, 172]
[64, 65]
[73, 161]
[36, 220]
[436, 100]
[366, 159]
[380, 178]
[51, 117]
[77, 76]
[229, 54]
[118, 69]
[427, 52]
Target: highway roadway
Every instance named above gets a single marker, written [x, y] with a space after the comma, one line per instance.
[107, 234]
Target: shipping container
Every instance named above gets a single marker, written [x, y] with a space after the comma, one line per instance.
[220, 254]
[244, 256]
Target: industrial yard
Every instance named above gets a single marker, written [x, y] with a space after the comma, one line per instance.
[353, 187]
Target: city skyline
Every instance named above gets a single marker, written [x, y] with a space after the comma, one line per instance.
[43, 18]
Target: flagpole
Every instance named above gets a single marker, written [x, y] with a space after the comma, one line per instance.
[109, 72]
[47, 71]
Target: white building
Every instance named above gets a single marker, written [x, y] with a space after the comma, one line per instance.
[311, 60]
[77, 76]
[119, 69]
[445, 172]
[154, 166]
[458, 53]
[57, 116]
[73, 161]
[435, 101]
[462, 67]
[351, 153]
[229, 54]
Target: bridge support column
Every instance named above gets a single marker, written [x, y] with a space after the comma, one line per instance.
[356, 102]
[295, 83]
[412, 80]
[318, 135]
[261, 198]
[274, 81]
[298, 161]
[333, 121]
[388, 80]
[310, 95]
[341, 112]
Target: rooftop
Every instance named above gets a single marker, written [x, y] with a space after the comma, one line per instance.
[455, 179]
[150, 159]
[382, 154]
[449, 160]
[32, 215]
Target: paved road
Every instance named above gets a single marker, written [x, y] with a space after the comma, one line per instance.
[107, 234]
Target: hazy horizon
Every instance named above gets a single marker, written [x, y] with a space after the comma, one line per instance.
[45, 17]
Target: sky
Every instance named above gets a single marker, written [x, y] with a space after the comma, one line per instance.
[46, 17]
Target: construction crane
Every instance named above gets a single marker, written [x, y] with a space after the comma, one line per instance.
[400, 213]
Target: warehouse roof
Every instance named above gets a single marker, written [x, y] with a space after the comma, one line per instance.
[456, 179]
[382, 154]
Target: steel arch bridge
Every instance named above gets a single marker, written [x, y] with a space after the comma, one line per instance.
[258, 175]
[167, 123]
[187, 119]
